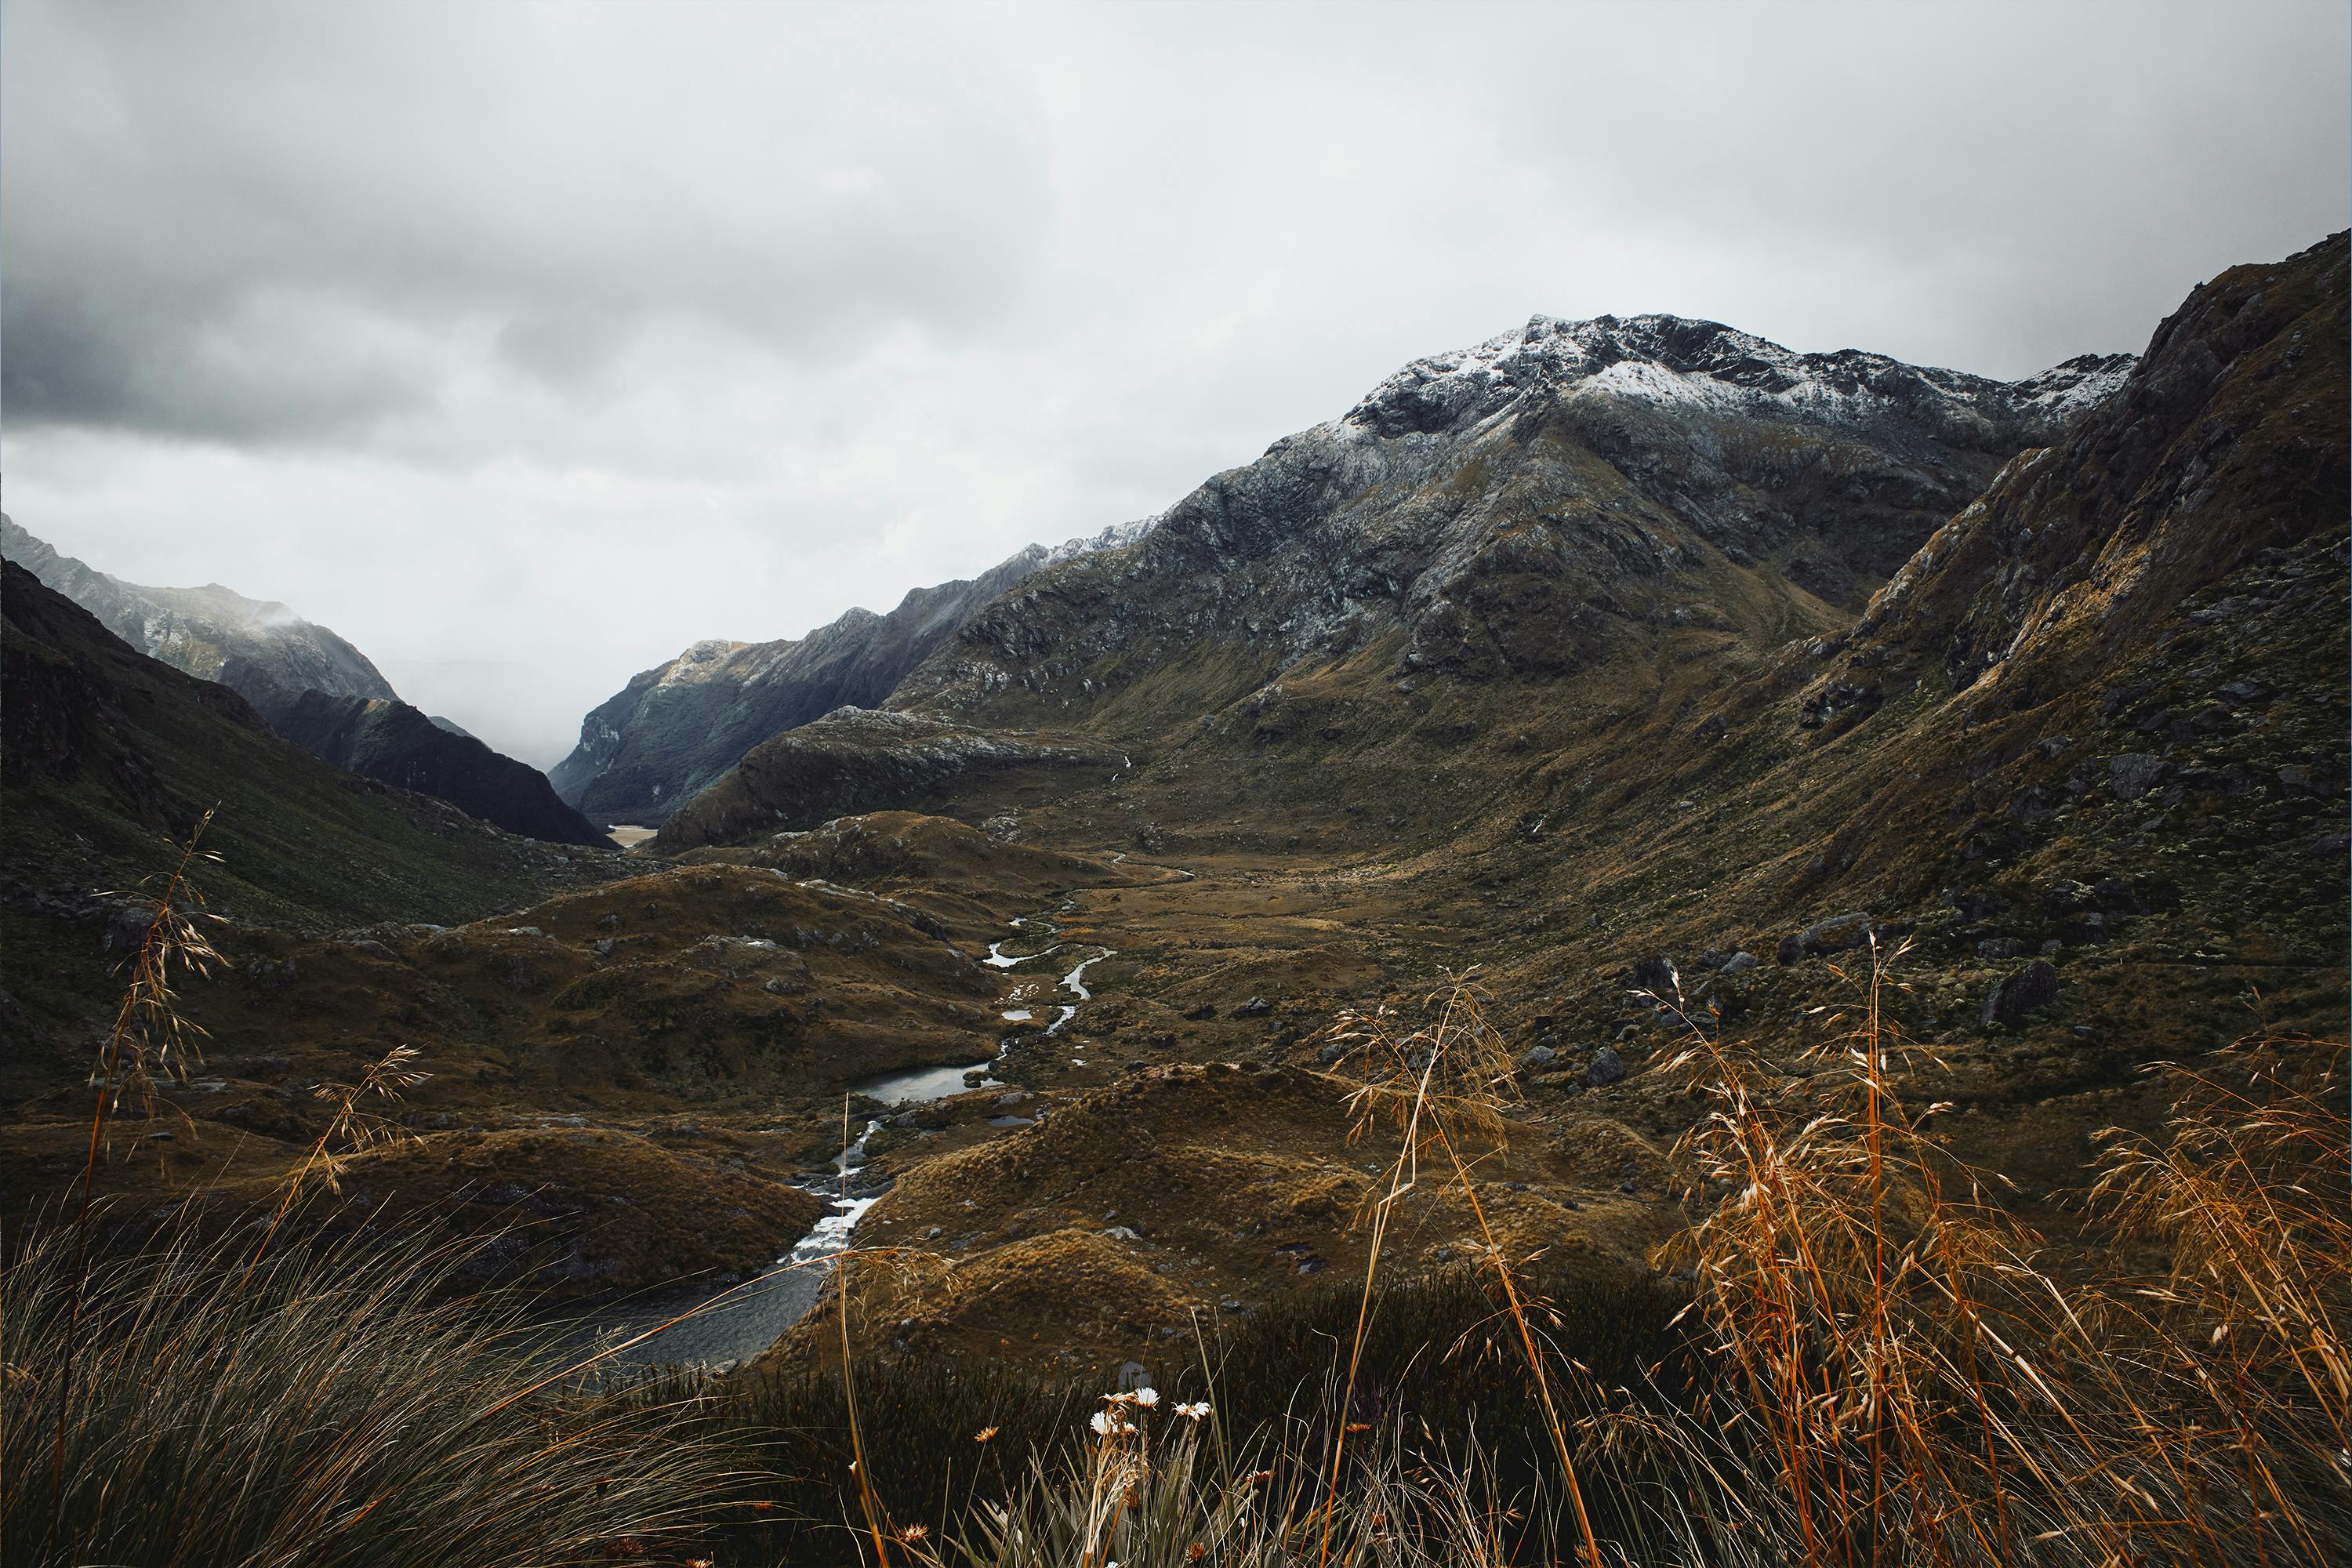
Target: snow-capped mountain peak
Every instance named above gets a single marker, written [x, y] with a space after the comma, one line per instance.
[1674, 360]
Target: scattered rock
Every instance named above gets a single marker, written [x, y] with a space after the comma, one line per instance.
[1975, 907]
[1256, 1007]
[2131, 774]
[1833, 935]
[2116, 896]
[1201, 1013]
[2066, 897]
[1656, 976]
[1607, 1068]
[1537, 1057]
[2023, 992]
[1740, 962]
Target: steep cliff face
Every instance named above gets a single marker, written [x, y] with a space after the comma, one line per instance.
[1523, 508]
[401, 746]
[674, 729]
[212, 633]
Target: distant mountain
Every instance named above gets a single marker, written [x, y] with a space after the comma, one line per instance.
[211, 633]
[313, 688]
[1532, 507]
[675, 729]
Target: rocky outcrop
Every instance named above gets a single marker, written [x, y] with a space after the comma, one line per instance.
[260, 648]
[675, 728]
[2019, 992]
[2226, 441]
[401, 746]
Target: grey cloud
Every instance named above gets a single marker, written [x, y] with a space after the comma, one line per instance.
[193, 196]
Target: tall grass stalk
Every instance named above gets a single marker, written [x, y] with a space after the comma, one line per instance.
[1921, 1378]
[150, 1038]
[1437, 1087]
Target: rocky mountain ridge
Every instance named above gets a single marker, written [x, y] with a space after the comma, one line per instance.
[212, 633]
[675, 728]
[1528, 509]
[1521, 507]
[1675, 360]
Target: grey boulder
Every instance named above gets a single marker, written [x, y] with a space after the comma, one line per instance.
[2024, 990]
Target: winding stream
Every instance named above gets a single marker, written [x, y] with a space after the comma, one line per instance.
[740, 1321]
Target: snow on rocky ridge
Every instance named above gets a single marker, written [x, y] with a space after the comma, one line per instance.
[1670, 360]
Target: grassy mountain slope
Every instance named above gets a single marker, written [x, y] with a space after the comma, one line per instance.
[111, 758]
[2121, 840]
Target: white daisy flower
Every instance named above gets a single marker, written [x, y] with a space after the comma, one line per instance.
[1146, 1397]
[1194, 1411]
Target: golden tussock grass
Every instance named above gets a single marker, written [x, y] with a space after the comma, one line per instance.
[1878, 1364]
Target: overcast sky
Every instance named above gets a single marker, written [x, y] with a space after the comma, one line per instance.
[524, 345]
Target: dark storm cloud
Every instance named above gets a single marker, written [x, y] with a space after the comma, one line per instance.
[246, 223]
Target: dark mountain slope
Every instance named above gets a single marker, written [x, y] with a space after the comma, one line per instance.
[2224, 445]
[2099, 718]
[402, 747]
[108, 757]
[313, 688]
